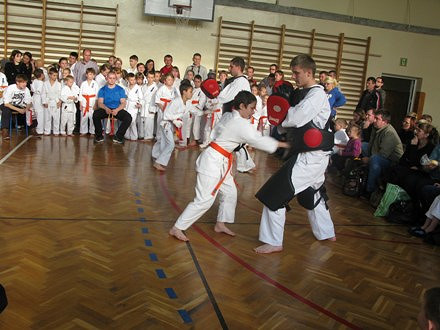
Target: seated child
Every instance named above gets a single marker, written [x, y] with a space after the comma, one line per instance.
[351, 150]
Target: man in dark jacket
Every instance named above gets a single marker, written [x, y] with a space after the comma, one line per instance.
[370, 98]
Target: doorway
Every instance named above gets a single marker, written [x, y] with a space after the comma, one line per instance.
[400, 96]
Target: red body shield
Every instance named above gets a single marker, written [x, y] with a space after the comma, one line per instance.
[312, 137]
[277, 107]
[211, 88]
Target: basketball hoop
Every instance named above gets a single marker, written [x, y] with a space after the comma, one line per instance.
[182, 15]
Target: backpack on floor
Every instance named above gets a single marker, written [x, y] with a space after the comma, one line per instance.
[355, 178]
[402, 212]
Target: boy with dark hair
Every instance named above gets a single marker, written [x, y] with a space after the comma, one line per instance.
[429, 316]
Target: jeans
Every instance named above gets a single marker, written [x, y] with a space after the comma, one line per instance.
[376, 167]
[122, 115]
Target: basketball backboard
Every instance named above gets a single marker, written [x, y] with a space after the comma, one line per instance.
[200, 10]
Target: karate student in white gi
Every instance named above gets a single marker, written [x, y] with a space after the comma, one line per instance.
[69, 96]
[213, 166]
[51, 98]
[148, 110]
[88, 97]
[198, 102]
[213, 112]
[37, 105]
[171, 118]
[134, 104]
[309, 168]
[101, 78]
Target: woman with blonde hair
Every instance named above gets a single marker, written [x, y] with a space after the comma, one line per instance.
[335, 96]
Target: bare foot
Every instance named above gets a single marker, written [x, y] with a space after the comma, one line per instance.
[159, 167]
[220, 227]
[333, 239]
[177, 233]
[267, 248]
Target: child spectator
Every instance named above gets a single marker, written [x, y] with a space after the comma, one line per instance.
[168, 60]
[429, 316]
[149, 66]
[279, 75]
[351, 150]
[69, 96]
[341, 137]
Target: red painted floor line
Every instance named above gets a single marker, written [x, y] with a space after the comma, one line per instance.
[252, 269]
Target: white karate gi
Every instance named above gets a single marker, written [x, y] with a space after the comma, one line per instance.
[37, 104]
[212, 166]
[164, 146]
[230, 92]
[51, 95]
[68, 108]
[148, 111]
[134, 98]
[101, 80]
[162, 94]
[308, 171]
[213, 114]
[88, 96]
[198, 102]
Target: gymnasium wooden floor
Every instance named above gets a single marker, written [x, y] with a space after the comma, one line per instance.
[84, 245]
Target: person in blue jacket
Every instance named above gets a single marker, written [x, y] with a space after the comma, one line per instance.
[335, 96]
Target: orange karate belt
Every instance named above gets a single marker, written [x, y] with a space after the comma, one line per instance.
[166, 101]
[87, 108]
[229, 156]
[213, 117]
[179, 131]
[193, 102]
[261, 123]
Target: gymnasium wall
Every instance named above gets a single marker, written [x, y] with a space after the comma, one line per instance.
[153, 37]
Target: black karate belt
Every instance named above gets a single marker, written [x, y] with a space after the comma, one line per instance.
[3, 299]
[278, 191]
[306, 198]
[241, 146]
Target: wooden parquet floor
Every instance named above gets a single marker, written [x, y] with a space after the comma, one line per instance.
[84, 245]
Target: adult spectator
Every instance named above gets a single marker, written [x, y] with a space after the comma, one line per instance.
[367, 129]
[250, 71]
[237, 83]
[80, 68]
[28, 67]
[73, 59]
[333, 74]
[370, 98]
[385, 149]
[335, 97]
[14, 67]
[149, 66]
[422, 143]
[416, 182]
[111, 102]
[196, 67]
[168, 60]
[406, 132]
[322, 77]
[272, 69]
[379, 88]
[79, 73]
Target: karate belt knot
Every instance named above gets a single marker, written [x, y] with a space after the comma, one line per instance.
[229, 156]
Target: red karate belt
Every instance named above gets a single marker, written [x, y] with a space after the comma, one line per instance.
[229, 156]
[213, 117]
[87, 108]
[111, 118]
[193, 102]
